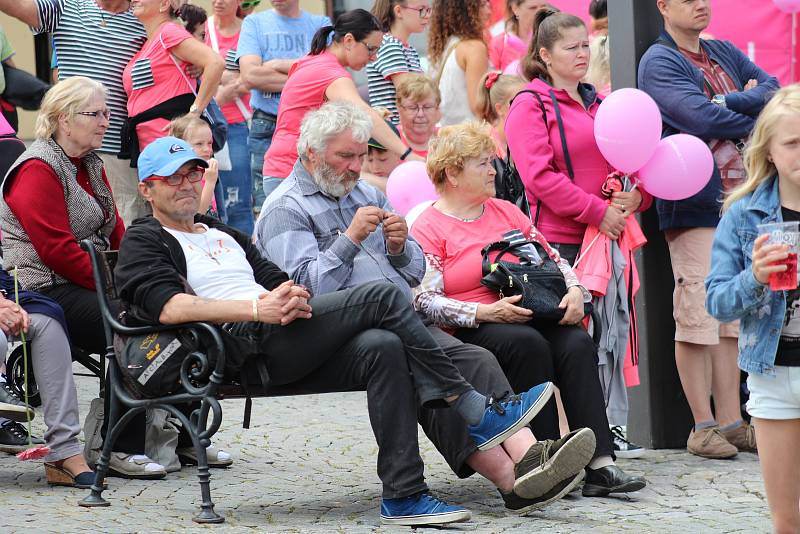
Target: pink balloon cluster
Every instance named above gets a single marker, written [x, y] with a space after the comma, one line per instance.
[627, 129]
[788, 6]
[408, 186]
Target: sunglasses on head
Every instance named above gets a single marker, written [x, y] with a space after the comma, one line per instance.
[247, 4]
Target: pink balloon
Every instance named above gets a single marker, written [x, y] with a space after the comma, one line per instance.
[513, 68]
[408, 185]
[681, 166]
[788, 6]
[627, 129]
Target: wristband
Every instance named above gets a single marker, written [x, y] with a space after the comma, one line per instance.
[255, 310]
[406, 154]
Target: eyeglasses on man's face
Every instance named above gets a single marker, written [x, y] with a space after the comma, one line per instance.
[193, 175]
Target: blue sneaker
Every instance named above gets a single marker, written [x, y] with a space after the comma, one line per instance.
[421, 509]
[505, 416]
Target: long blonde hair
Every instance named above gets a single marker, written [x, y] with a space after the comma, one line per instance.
[756, 163]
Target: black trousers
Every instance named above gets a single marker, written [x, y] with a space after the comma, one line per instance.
[85, 325]
[367, 337]
[534, 353]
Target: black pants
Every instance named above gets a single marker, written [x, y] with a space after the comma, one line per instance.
[367, 337]
[445, 428]
[565, 355]
[85, 325]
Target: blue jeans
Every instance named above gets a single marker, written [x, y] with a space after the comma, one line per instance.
[237, 183]
[262, 127]
[270, 184]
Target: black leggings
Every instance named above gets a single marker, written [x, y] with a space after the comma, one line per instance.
[565, 355]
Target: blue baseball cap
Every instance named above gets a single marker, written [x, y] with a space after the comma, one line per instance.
[164, 156]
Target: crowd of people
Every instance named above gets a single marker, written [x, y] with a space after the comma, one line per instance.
[240, 171]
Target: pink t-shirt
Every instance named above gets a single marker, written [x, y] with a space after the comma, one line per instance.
[227, 50]
[304, 91]
[506, 48]
[456, 245]
[152, 77]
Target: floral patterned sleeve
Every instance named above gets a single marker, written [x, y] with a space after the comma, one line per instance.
[429, 298]
[563, 265]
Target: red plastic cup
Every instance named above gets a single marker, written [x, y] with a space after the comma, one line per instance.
[785, 233]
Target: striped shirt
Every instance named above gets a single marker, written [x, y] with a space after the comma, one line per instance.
[394, 57]
[96, 44]
[301, 230]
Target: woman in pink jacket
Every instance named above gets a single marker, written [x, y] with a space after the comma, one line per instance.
[550, 131]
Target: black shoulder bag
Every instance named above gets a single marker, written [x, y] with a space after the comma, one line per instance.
[542, 286]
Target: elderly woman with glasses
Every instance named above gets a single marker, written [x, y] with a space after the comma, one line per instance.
[56, 195]
[418, 102]
[351, 43]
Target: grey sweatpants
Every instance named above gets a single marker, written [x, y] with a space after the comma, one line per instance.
[51, 360]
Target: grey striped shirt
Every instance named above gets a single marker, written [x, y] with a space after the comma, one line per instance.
[97, 44]
[301, 229]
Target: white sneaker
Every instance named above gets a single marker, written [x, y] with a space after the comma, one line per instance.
[622, 447]
[134, 466]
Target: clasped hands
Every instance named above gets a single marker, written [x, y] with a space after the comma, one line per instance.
[284, 304]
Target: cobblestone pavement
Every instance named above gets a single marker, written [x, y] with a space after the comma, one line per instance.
[307, 464]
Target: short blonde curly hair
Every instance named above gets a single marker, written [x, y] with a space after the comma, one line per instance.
[416, 87]
[453, 147]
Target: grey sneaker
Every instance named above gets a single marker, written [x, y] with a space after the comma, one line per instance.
[134, 466]
[548, 463]
[12, 407]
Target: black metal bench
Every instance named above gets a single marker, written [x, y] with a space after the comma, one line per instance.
[201, 384]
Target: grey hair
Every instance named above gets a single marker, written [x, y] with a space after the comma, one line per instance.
[322, 125]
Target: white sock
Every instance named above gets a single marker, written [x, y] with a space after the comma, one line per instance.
[600, 462]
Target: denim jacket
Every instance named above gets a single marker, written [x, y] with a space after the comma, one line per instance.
[732, 292]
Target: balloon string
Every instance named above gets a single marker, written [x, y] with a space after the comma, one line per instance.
[24, 359]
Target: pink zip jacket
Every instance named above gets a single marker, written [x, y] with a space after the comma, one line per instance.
[568, 205]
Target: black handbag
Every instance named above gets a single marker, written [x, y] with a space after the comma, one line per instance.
[150, 364]
[508, 184]
[23, 90]
[542, 286]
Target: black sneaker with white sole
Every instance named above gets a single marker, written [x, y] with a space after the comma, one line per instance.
[14, 437]
[12, 407]
[622, 447]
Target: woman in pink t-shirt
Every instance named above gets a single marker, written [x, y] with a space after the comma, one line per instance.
[156, 75]
[222, 35]
[352, 42]
[452, 233]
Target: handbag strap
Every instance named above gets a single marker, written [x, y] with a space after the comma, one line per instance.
[212, 36]
[503, 247]
[445, 57]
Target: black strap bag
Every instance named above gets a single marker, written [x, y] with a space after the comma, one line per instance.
[150, 364]
[542, 286]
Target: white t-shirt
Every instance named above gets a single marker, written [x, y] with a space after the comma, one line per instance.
[216, 266]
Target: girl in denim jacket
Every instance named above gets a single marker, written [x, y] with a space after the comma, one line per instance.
[737, 288]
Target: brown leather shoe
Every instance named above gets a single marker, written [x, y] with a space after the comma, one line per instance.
[743, 437]
[710, 443]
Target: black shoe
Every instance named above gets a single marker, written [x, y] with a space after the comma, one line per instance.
[522, 505]
[610, 479]
[11, 407]
[14, 438]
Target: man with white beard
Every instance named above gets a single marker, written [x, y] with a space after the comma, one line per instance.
[330, 232]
